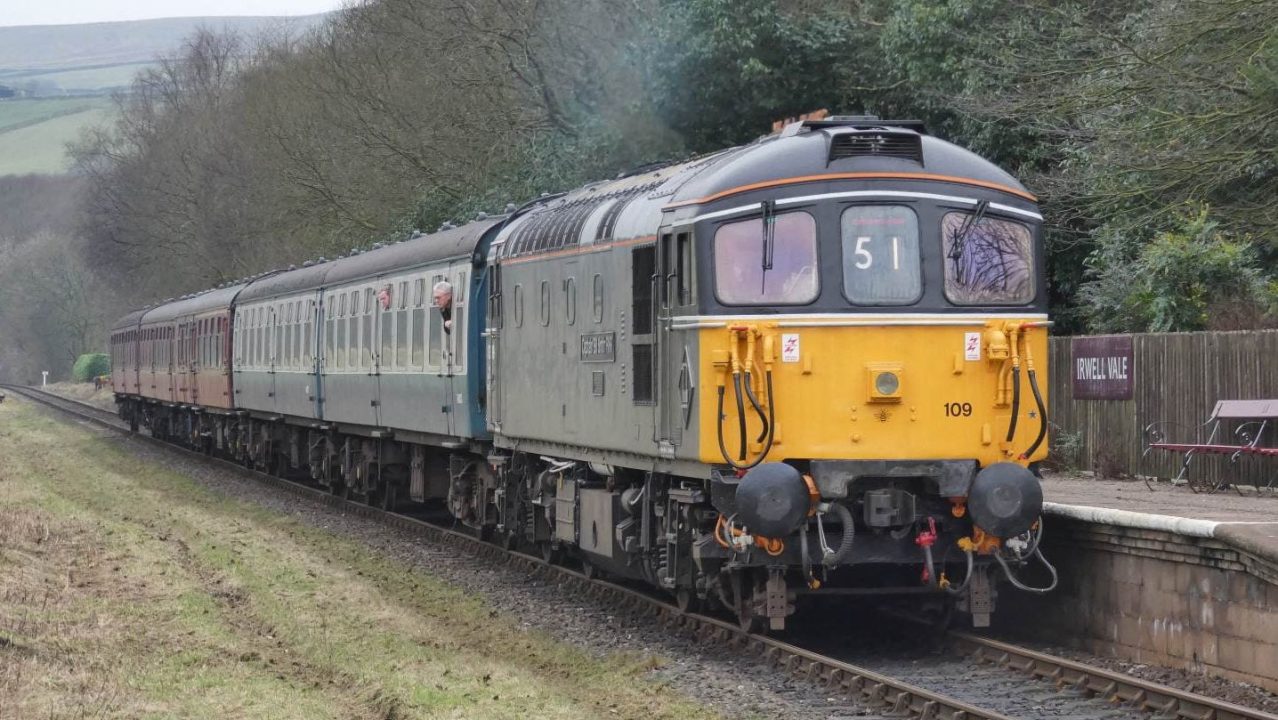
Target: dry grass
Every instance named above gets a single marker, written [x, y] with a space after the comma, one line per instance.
[128, 591]
[85, 392]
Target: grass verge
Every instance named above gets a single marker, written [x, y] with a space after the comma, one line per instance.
[130, 591]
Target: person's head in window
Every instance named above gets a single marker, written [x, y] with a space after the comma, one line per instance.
[442, 298]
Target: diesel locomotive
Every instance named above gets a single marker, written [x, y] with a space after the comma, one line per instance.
[798, 368]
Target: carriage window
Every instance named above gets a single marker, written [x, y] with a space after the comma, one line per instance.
[328, 329]
[367, 339]
[277, 352]
[598, 302]
[458, 335]
[307, 347]
[419, 292]
[881, 255]
[435, 333]
[987, 261]
[401, 338]
[387, 320]
[777, 269]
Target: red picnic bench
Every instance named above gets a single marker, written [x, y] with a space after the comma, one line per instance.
[1254, 417]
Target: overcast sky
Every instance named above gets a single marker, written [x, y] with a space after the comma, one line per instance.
[59, 12]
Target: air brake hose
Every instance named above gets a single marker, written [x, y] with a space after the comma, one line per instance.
[758, 409]
[1016, 384]
[767, 446]
[1016, 401]
[741, 420]
[1042, 416]
[849, 534]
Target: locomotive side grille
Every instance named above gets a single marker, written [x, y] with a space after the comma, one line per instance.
[876, 143]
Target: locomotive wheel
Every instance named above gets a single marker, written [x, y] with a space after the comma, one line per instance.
[388, 498]
[749, 621]
[687, 600]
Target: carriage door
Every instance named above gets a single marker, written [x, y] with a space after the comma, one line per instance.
[274, 343]
[457, 345]
[675, 379]
[315, 337]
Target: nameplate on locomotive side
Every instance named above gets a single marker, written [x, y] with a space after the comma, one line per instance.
[599, 347]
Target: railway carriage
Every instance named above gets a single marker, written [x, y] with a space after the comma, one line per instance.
[801, 367]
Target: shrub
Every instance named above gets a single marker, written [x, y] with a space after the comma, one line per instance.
[89, 366]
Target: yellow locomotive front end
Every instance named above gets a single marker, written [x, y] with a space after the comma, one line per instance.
[874, 387]
[864, 355]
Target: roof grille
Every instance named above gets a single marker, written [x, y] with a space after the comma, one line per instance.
[877, 143]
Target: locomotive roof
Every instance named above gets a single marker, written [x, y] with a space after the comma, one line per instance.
[840, 150]
[211, 300]
[811, 152]
[452, 243]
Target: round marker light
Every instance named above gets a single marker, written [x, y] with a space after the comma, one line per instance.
[887, 383]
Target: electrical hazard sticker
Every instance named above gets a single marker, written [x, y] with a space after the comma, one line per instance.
[790, 347]
[972, 346]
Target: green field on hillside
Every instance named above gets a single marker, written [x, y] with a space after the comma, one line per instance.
[105, 77]
[34, 133]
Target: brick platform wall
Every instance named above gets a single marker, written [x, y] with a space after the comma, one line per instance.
[1153, 597]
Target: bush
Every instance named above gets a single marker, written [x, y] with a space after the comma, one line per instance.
[1192, 276]
[89, 366]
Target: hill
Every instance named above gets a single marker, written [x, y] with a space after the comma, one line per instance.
[32, 49]
[55, 79]
[34, 132]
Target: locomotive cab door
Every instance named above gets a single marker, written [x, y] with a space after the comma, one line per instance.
[675, 368]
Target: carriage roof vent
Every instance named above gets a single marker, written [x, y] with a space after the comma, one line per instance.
[876, 143]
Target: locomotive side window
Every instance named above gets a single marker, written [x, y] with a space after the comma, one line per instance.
[778, 267]
[517, 299]
[684, 270]
[570, 301]
[545, 303]
[988, 261]
[881, 255]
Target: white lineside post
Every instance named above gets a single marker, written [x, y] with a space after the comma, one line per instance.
[44, 378]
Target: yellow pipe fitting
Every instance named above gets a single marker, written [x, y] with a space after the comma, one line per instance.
[749, 354]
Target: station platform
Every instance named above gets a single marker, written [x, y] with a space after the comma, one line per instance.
[1165, 576]
[1247, 518]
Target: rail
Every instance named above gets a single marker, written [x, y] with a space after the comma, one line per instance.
[856, 684]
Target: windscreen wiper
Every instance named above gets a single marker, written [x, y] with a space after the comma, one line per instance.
[960, 238]
[769, 208]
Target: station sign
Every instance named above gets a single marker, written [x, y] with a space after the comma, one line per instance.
[1102, 367]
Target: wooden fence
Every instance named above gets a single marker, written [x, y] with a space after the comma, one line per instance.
[1176, 377]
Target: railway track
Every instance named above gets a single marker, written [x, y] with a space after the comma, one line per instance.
[875, 691]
